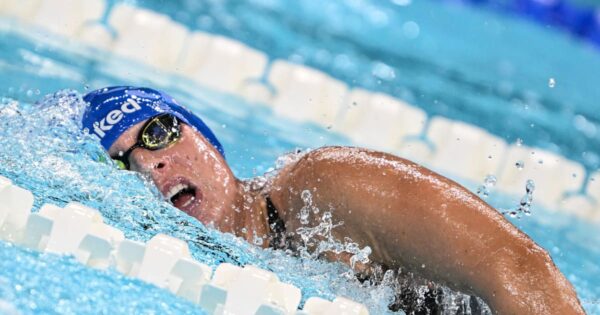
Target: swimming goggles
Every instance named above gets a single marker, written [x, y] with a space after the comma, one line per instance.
[157, 133]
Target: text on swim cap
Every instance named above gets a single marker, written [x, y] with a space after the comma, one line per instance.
[114, 116]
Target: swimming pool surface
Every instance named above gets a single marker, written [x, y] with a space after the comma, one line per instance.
[486, 69]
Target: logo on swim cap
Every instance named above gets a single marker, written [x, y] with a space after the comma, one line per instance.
[113, 110]
[114, 116]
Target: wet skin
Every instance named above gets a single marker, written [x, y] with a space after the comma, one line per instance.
[410, 216]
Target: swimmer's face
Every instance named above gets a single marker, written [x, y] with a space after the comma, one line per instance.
[190, 173]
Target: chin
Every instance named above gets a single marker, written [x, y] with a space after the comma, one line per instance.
[212, 216]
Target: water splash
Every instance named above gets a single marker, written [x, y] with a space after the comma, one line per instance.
[524, 207]
[519, 142]
[43, 149]
[318, 239]
[519, 165]
[409, 292]
[488, 184]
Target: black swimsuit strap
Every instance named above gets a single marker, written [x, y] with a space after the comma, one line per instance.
[277, 235]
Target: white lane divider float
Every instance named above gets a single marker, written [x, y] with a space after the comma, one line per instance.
[164, 261]
[302, 93]
[15, 205]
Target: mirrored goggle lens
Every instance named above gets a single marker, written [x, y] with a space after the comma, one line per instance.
[160, 132]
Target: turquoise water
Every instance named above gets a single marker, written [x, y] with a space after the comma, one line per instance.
[461, 62]
[42, 150]
[67, 287]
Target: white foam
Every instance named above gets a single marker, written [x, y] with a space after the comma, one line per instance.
[377, 120]
[306, 94]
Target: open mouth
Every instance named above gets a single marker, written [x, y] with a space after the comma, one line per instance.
[183, 196]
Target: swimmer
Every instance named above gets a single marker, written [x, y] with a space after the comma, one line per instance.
[411, 217]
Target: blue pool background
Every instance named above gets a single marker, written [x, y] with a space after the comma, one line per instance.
[487, 69]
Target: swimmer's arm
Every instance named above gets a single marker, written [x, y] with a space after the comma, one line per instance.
[416, 219]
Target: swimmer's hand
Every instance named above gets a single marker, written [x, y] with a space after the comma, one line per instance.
[414, 218]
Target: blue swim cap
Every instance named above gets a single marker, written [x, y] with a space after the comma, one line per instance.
[113, 110]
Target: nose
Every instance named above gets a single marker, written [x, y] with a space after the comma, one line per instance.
[149, 162]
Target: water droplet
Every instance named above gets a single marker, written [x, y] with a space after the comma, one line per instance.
[488, 183]
[520, 164]
[223, 126]
[257, 240]
[551, 83]
[411, 29]
[540, 161]
[329, 127]
[530, 186]
[519, 142]
[524, 207]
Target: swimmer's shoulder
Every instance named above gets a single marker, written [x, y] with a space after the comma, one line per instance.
[338, 164]
[345, 159]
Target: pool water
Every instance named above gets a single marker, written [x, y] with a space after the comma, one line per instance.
[45, 152]
[461, 62]
[41, 148]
